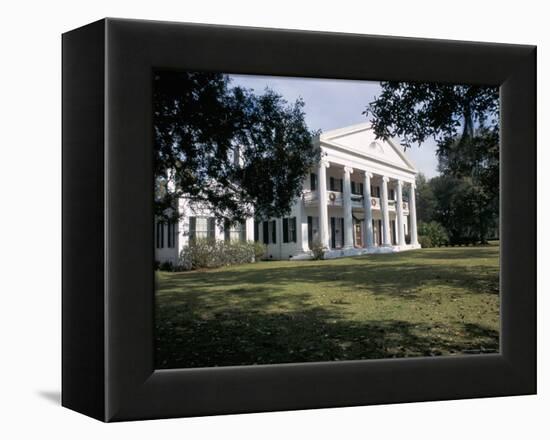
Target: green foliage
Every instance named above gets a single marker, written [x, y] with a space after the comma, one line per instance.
[166, 266]
[317, 250]
[199, 120]
[415, 112]
[464, 121]
[463, 208]
[475, 163]
[260, 250]
[432, 234]
[425, 241]
[204, 253]
[425, 200]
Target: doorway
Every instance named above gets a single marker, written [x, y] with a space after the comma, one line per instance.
[357, 234]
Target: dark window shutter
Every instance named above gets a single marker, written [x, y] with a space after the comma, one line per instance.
[309, 229]
[341, 185]
[342, 229]
[285, 230]
[332, 232]
[353, 187]
[294, 232]
[332, 184]
[256, 231]
[265, 232]
[211, 233]
[313, 181]
[274, 231]
[361, 189]
[192, 227]
[159, 226]
[171, 231]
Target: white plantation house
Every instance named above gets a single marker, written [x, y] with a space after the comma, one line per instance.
[352, 203]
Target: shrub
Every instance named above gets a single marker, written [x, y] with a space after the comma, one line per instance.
[167, 266]
[317, 250]
[260, 250]
[236, 252]
[425, 241]
[203, 253]
[433, 231]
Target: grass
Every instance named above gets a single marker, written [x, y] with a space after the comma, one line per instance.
[428, 302]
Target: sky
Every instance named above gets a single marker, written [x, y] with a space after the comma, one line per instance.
[332, 103]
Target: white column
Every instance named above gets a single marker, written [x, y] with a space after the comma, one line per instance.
[348, 219]
[250, 229]
[412, 215]
[322, 198]
[301, 227]
[367, 207]
[386, 238]
[399, 207]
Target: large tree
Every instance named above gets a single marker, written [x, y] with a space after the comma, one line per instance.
[227, 148]
[462, 208]
[464, 122]
[415, 112]
[426, 203]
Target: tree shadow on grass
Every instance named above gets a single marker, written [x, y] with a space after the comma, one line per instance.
[403, 281]
[269, 313]
[311, 335]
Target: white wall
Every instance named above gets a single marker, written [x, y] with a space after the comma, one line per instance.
[31, 244]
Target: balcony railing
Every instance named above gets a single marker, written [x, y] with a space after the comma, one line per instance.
[335, 198]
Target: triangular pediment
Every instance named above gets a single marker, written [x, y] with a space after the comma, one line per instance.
[361, 139]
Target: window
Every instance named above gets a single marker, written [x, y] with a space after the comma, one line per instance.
[392, 194]
[270, 232]
[236, 232]
[375, 191]
[313, 181]
[312, 229]
[292, 229]
[202, 227]
[171, 234]
[336, 184]
[356, 188]
[336, 232]
[160, 235]
[289, 230]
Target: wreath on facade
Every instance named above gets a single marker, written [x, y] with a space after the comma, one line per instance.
[332, 197]
[373, 202]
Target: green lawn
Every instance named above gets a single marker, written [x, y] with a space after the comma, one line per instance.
[428, 302]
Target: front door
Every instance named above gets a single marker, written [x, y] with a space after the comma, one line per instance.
[358, 234]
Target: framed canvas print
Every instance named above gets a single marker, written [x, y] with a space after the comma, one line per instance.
[262, 219]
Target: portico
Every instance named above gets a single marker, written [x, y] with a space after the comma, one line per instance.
[363, 214]
[360, 198]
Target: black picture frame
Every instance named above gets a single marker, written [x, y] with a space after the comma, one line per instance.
[108, 252]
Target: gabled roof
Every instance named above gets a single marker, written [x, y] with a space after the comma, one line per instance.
[360, 139]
